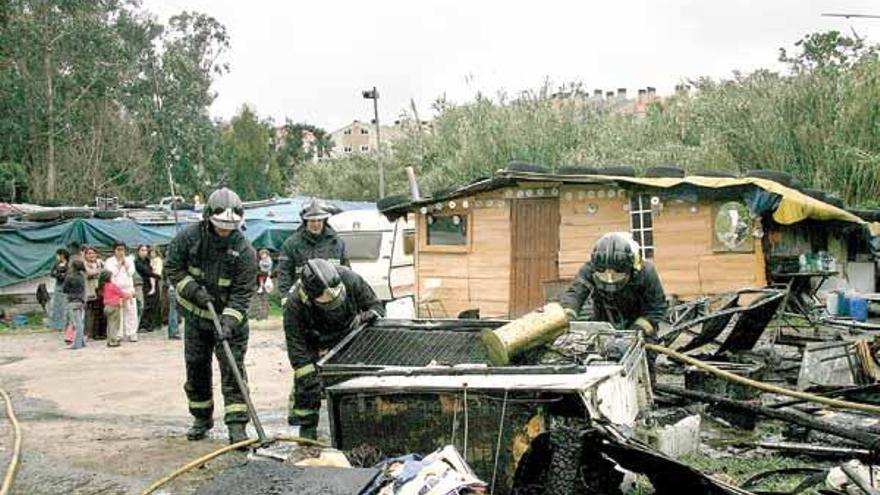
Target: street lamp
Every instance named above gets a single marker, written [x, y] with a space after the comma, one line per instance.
[373, 94]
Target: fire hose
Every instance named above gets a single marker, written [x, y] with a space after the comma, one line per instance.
[16, 448]
[766, 387]
[217, 453]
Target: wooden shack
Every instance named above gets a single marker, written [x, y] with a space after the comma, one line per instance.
[501, 245]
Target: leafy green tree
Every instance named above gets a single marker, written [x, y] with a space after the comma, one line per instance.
[246, 158]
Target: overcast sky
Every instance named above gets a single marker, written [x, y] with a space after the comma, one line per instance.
[309, 60]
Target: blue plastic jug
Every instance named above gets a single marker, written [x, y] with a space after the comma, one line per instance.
[858, 308]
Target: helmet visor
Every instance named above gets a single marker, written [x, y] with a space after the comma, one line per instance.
[329, 295]
[228, 218]
[610, 276]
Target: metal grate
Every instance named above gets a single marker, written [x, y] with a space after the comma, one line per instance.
[407, 347]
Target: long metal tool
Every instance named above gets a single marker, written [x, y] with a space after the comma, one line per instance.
[242, 385]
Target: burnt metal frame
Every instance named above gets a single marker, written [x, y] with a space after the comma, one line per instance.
[775, 294]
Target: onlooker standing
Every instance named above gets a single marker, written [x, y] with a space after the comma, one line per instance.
[59, 300]
[96, 324]
[76, 251]
[113, 298]
[150, 296]
[265, 270]
[160, 314]
[122, 269]
[75, 288]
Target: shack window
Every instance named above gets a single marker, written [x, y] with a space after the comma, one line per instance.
[642, 223]
[447, 230]
[362, 245]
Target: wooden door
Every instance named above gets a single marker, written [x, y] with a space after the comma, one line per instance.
[535, 252]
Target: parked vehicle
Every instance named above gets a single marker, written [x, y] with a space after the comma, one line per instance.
[379, 250]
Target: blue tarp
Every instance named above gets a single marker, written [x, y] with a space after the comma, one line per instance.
[27, 250]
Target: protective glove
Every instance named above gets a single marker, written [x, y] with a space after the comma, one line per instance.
[644, 328]
[201, 297]
[228, 324]
[363, 318]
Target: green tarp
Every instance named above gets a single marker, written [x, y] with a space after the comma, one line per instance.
[27, 251]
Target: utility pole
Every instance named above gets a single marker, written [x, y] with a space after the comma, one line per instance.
[373, 94]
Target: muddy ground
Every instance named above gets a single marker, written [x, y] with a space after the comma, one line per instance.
[111, 421]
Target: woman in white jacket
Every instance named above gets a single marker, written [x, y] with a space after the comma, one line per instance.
[122, 269]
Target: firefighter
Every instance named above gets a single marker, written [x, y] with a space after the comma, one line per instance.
[313, 239]
[326, 304]
[212, 261]
[624, 289]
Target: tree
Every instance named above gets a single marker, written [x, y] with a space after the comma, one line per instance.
[292, 150]
[246, 156]
[183, 138]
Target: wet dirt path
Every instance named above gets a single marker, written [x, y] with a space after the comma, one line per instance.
[111, 421]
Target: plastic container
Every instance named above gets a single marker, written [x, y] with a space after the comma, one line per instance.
[842, 304]
[831, 300]
[858, 308]
[20, 320]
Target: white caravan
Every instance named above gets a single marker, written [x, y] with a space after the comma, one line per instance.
[380, 251]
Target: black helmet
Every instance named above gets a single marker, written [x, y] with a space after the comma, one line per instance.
[615, 257]
[317, 210]
[224, 209]
[320, 284]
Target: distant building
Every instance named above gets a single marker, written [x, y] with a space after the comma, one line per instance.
[360, 137]
[617, 101]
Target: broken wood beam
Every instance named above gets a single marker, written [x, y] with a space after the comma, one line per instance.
[859, 436]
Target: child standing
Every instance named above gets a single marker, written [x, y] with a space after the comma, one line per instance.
[58, 302]
[75, 288]
[113, 298]
[265, 271]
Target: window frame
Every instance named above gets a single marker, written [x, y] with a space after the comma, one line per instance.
[441, 248]
[375, 236]
[643, 203]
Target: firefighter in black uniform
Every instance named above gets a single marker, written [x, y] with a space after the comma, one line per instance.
[624, 289]
[325, 304]
[313, 239]
[213, 262]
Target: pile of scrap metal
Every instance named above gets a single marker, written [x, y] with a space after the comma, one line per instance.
[827, 369]
[558, 418]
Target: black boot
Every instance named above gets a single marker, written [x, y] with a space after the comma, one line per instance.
[237, 432]
[309, 431]
[199, 428]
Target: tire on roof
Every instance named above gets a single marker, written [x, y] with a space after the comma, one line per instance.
[665, 171]
[834, 200]
[620, 170]
[577, 170]
[715, 173]
[816, 194]
[774, 175]
[77, 213]
[389, 202]
[108, 214]
[527, 167]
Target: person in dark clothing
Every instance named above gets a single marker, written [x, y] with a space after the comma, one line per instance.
[313, 239]
[624, 289]
[96, 321]
[326, 304]
[75, 289]
[213, 262]
[149, 315]
[58, 303]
